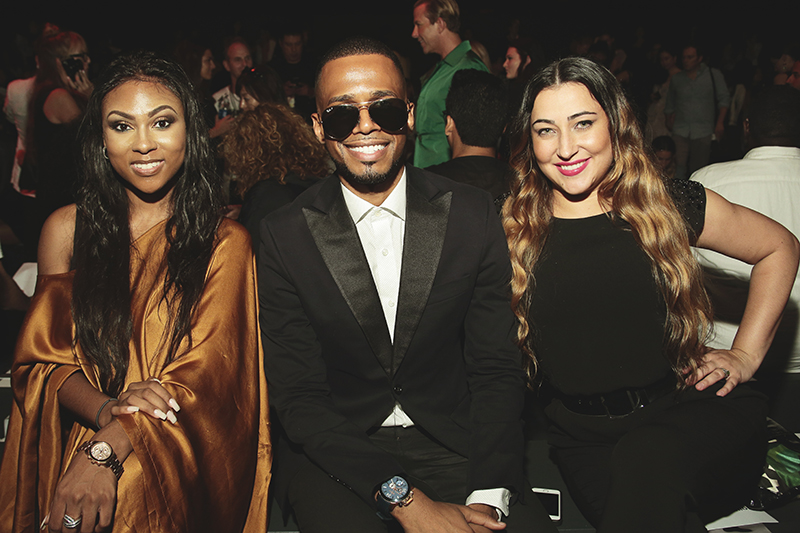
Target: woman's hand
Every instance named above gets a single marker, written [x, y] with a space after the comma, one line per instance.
[86, 491]
[221, 126]
[148, 397]
[734, 365]
[81, 84]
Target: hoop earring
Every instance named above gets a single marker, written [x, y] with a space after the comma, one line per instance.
[105, 154]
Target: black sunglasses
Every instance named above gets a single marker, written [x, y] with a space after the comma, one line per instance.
[339, 121]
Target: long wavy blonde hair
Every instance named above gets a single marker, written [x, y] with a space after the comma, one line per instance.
[633, 190]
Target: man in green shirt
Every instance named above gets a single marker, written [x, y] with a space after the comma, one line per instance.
[436, 24]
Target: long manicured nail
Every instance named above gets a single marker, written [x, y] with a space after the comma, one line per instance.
[131, 409]
[172, 418]
[44, 522]
[160, 414]
[172, 403]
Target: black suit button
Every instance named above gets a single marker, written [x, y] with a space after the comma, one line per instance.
[398, 390]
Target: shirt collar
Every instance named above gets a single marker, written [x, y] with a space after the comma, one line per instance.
[771, 152]
[457, 53]
[395, 203]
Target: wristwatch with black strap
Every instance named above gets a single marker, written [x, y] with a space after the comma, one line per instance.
[394, 492]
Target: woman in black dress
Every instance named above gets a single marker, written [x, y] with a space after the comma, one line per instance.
[652, 430]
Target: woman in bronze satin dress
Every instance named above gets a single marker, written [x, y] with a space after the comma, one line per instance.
[140, 399]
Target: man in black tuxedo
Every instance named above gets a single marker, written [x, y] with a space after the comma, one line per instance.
[387, 330]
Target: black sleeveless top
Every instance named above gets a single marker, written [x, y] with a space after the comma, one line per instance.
[56, 159]
[597, 315]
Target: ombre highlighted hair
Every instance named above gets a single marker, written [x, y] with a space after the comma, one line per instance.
[632, 190]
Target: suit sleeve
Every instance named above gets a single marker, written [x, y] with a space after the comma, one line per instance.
[298, 386]
[494, 370]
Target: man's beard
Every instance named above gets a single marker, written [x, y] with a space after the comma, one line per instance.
[369, 176]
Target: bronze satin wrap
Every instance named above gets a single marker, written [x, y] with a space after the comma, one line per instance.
[210, 471]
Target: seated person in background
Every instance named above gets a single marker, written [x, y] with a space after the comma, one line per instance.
[664, 150]
[475, 118]
[259, 85]
[295, 66]
[226, 101]
[140, 397]
[651, 430]
[274, 155]
[767, 180]
[386, 327]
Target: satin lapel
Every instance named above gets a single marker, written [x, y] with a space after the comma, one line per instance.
[337, 240]
[426, 225]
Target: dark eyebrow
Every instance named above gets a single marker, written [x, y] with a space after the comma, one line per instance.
[374, 95]
[582, 113]
[155, 111]
[569, 118]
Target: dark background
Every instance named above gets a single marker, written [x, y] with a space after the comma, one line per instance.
[154, 24]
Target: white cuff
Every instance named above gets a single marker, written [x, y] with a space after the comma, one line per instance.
[497, 498]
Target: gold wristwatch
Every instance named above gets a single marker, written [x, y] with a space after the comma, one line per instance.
[102, 454]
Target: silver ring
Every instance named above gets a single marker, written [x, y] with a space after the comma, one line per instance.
[726, 372]
[71, 523]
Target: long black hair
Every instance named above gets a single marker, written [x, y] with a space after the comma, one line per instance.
[101, 290]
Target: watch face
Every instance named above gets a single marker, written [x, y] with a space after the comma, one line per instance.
[100, 451]
[395, 489]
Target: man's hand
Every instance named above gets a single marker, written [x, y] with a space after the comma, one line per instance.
[424, 515]
[487, 510]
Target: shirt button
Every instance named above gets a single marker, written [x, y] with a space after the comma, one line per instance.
[398, 390]
[391, 303]
[385, 252]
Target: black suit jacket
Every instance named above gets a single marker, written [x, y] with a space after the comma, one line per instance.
[333, 371]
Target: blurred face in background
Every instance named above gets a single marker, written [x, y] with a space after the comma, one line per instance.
[292, 48]
[247, 101]
[513, 63]
[207, 65]
[424, 31]
[667, 60]
[794, 75]
[238, 59]
[76, 53]
[665, 158]
[691, 59]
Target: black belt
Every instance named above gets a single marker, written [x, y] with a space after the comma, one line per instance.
[616, 403]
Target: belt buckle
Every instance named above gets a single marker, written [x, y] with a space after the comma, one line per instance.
[615, 410]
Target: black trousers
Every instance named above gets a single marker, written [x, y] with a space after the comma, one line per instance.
[320, 504]
[783, 392]
[673, 466]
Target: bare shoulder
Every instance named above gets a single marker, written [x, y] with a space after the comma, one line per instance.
[60, 107]
[55, 243]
